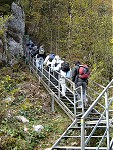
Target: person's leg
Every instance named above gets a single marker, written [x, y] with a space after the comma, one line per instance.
[34, 60]
[63, 89]
[79, 93]
[63, 86]
[37, 63]
[84, 92]
[56, 78]
[42, 61]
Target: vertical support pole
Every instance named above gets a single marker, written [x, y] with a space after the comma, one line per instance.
[49, 77]
[82, 100]
[74, 102]
[42, 71]
[52, 102]
[107, 120]
[82, 134]
[59, 86]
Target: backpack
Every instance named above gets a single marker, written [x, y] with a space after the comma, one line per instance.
[65, 66]
[68, 74]
[41, 50]
[83, 72]
[51, 57]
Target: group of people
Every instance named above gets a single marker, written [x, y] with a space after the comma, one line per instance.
[37, 53]
[78, 74]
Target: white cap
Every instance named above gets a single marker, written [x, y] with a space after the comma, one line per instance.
[57, 57]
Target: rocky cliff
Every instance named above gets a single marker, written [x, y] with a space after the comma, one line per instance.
[15, 30]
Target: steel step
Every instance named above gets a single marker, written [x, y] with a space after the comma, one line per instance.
[77, 148]
[74, 132]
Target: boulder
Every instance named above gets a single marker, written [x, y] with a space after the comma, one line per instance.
[22, 119]
[15, 30]
[38, 128]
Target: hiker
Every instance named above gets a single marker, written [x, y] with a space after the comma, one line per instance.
[33, 51]
[65, 69]
[29, 46]
[55, 67]
[80, 74]
[29, 43]
[48, 60]
[55, 62]
[40, 57]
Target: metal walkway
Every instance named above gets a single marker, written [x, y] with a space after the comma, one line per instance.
[91, 126]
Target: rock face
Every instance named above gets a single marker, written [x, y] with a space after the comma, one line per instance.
[15, 30]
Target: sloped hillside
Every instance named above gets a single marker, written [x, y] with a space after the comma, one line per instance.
[24, 105]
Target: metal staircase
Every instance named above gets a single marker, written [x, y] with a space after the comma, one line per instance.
[91, 126]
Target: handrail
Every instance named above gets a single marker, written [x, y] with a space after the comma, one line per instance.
[111, 144]
[99, 85]
[96, 101]
[105, 112]
[71, 89]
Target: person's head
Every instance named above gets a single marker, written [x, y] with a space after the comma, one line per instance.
[57, 57]
[63, 58]
[35, 48]
[77, 62]
[41, 46]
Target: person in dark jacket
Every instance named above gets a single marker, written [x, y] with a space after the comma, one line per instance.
[75, 70]
[40, 57]
[79, 82]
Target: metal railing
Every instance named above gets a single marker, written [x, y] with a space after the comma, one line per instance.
[102, 104]
[103, 124]
[49, 79]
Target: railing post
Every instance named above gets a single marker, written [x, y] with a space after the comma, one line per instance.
[49, 77]
[74, 102]
[42, 71]
[82, 100]
[107, 120]
[52, 102]
[82, 134]
[59, 86]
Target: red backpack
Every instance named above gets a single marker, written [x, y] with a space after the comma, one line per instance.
[84, 72]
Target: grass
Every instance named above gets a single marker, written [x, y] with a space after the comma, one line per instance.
[22, 94]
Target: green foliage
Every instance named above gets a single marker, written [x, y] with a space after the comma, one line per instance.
[2, 25]
[79, 29]
[8, 84]
[5, 6]
[15, 134]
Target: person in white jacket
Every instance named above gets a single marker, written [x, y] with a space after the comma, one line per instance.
[63, 75]
[58, 67]
[55, 62]
[55, 66]
[63, 82]
[48, 60]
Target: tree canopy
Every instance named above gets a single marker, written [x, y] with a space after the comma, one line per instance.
[79, 29]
